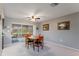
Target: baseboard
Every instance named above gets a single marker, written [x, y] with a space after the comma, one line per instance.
[0, 52]
[7, 45]
[63, 45]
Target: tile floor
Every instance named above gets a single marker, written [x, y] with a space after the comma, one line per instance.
[19, 49]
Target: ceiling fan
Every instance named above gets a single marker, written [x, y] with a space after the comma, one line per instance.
[33, 18]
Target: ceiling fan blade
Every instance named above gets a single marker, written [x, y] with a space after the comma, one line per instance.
[45, 17]
[37, 18]
[28, 18]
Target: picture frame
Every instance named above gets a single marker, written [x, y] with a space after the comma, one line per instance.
[45, 27]
[65, 25]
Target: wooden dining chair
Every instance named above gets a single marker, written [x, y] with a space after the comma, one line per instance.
[28, 41]
[38, 42]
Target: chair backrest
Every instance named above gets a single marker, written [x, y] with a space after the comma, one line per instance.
[39, 38]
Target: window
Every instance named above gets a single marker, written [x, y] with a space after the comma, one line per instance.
[18, 30]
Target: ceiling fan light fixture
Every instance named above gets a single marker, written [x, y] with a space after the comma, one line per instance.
[33, 20]
[33, 17]
[37, 18]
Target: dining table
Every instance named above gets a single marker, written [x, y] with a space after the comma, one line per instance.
[34, 41]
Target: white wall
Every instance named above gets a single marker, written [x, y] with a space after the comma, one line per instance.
[65, 37]
[8, 23]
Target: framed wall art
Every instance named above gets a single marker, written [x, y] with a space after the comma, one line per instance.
[45, 27]
[65, 25]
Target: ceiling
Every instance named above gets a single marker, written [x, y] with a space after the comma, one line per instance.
[42, 10]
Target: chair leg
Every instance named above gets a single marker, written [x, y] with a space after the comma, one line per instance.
[28, 45]
[38, 48]
[33, 47]
[42, 46]
[25, 44]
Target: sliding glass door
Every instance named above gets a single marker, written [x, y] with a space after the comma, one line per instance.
[19, 30]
